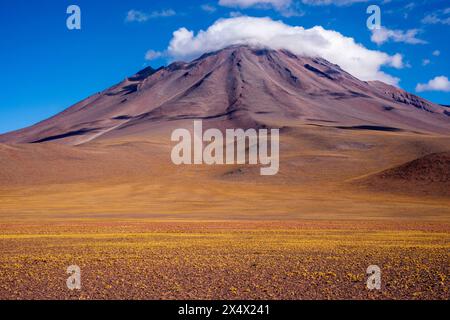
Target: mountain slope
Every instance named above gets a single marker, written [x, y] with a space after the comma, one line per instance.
[427, 175]
[244, 87]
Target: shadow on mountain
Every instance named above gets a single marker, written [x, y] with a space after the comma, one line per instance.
[374, 128]
[66, 135]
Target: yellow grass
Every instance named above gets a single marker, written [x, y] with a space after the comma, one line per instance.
[225, 260]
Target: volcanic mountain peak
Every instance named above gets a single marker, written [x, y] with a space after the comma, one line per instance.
[239, 86]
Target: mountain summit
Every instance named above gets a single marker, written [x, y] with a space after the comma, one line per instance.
[243, 87]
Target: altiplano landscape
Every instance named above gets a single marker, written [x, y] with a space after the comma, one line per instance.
[364, 179]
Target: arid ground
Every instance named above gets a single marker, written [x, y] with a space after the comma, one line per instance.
[152, 230]
[224, 259]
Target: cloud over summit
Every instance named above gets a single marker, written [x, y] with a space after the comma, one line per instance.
[331, 45]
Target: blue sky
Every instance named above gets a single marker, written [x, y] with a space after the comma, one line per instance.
[46, 67]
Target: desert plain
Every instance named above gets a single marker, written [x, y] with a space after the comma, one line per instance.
[154, 230]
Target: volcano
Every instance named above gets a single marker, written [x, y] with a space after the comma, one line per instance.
[110, 153]
[239, 87]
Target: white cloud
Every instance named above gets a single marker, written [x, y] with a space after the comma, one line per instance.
[438, 17]
[440, 83]
[278, 4]
[285, 3]
[396, 61]
[382, 35]
[139, 16]
[351, 56]
[329, 2]
[163, 13]
[435, 19]
[426, 62]
[208, 8]
[152, 55]
[136, 16]
[410, 6]
[235, 14]
[287, 8]
[435, 53]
